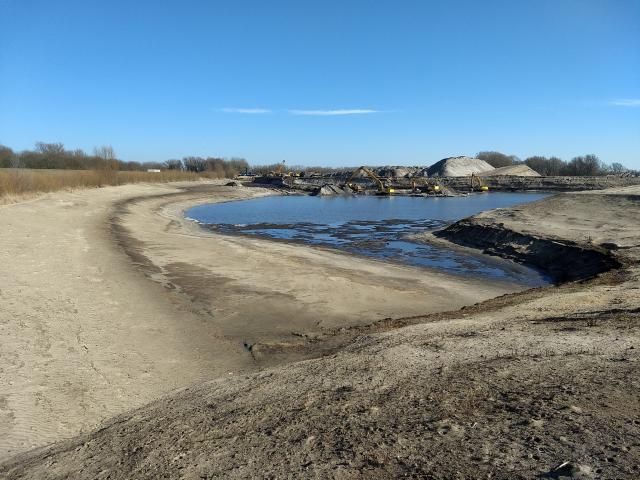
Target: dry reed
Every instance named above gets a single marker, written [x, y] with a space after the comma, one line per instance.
[17, 183]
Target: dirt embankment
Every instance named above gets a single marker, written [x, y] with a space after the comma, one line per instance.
[562, 260]
[544, 383]
[590, 248]
[550, 184]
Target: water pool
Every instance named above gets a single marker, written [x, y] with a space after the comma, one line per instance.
[372, 226]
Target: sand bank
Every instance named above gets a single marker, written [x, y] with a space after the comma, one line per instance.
[109, 299]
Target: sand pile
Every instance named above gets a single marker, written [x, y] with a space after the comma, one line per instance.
[458, 167]
[395, 171]
[511, 170]
[331, 189]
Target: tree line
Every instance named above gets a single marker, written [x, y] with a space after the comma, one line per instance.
[275, 167]
[219, 167]
[586, 165]
[55, 156]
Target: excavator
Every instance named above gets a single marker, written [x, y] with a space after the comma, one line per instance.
[477, 184]
[280, 171]
[381, 187]
[423, 184]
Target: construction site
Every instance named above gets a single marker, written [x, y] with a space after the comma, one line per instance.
[447, 177]
[342, 240]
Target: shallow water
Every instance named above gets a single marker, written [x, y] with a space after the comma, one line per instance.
[372, 226]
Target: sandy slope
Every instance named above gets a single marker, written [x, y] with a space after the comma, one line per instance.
[511, 170]
[85, 335]
[544, 382]
[458, 167]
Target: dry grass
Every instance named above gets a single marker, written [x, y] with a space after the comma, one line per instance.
[20, 183]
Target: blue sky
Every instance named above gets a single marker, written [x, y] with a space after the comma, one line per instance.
[324, 82]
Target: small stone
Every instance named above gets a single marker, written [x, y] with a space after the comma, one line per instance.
[537, 423]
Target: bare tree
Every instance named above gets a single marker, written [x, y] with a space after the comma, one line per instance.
[104, 152]
[108, 157]
[194, 164]
[618, 168]
[7, 157]
[173, 164]
[552, 166]
[587, 165]
[50, 148]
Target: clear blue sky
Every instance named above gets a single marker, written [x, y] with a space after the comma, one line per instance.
[323, 82]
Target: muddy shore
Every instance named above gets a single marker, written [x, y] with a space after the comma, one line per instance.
[109, 299]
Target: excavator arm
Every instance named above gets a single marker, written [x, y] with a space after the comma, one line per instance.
[380, 186]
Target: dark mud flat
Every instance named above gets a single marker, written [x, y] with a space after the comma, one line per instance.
[390, 240]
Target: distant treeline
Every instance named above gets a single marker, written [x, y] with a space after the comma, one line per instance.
[55, 156]
[218, 167]
[587, 165]
[274, 167]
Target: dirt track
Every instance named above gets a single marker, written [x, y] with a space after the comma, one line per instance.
[109, 299]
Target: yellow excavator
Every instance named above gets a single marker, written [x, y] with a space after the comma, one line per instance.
[278, 171]
[381, 187]
[477, 184]
[423, 184]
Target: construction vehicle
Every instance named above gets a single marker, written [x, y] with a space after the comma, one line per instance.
[477, 184]
[278, 171]
[382, 189]
[246, 175]
[425, 185]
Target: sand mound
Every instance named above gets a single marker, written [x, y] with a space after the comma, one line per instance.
[512, 170]
[331, 189]
[458, 167]
[395, 171]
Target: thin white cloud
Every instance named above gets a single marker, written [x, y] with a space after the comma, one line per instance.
[626, 102]
[246, 110]
[326, 113]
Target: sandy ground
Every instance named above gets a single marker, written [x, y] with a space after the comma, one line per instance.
[538, 384]
[109, 299]
[247, 286]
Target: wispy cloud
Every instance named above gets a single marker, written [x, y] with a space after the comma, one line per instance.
[321, 113]
[246, 110]
[626, 102]
[353, 111]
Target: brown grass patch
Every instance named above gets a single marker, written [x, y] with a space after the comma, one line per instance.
[19, 183]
